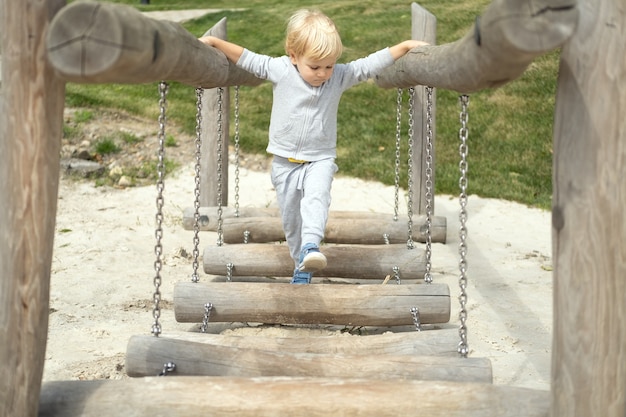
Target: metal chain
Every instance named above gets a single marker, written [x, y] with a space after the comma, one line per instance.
[196, 202]
[220, 220]
[396, 274]
[415, 313]
[398, 143]
[168, 368]
[409, 243]
[237, 151]
[208, 307]
[463, 348]
[158, 232]
[428, 277]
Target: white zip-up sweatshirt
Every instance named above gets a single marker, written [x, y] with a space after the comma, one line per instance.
[303, 123]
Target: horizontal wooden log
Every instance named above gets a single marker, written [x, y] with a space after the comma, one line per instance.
[503, 42]
[208, 216]
[359, 231]
[341, 304]
[100, 42]
[265, 397]
[428, 342]
[354, 261]
[146, 356]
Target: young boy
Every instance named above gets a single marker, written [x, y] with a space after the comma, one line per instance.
[307, 86]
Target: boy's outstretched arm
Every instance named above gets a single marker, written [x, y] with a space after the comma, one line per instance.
[399, 50]
[232, 51]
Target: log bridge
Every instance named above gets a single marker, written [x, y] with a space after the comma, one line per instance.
[113, 43]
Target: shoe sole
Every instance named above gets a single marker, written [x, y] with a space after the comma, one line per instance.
[312, 262]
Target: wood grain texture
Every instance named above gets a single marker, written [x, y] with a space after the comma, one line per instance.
[146, 355]
[344, 304]
[344, 261]
[431, 342]
[265, 397]
[214, 132]
[99, 42]
[359, 231]
[506, 38]
[588, 222]
[31, 120]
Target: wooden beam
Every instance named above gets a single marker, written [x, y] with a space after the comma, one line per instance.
[265, 397]
[428, 342]
[345, 231]
[208, 215]
[342, 304]
[353, 261]
[588, 221]
[100, 42]
[146, 356]
[498, 49]
[31, 123]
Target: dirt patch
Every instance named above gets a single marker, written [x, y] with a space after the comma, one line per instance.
[118, 149]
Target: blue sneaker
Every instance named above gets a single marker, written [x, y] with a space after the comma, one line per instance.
[311, 259]
[300, 277]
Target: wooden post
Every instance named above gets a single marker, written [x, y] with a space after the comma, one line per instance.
[588, 220]
[31, 119]
[424, 27]
[211, 111]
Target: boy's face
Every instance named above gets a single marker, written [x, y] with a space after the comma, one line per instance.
[313, 71]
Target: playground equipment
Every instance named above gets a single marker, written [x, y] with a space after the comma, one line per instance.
[588, 375]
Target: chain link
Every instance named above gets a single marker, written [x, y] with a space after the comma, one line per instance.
[415, 313]
[220, 129]
[196, 201]
[428, 277]
[208, 307]
[396, 204]
[168, 368]
[409, 243]
[158, 232]
[237, 151]
[396, 274]
[463, 348]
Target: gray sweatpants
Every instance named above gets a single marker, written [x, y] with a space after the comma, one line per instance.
[303, 195]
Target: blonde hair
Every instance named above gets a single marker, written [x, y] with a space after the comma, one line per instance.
[312, 34]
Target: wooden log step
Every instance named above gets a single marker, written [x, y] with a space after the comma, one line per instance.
[358, 227]
[279, 396]
[341, 304]
[146, 356]
[353, 261]
[430, 342]
[360, 231]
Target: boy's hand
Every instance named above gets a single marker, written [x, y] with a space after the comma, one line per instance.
[208, 40]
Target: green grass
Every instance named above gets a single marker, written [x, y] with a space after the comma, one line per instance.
[510, 146]
[106, 146]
